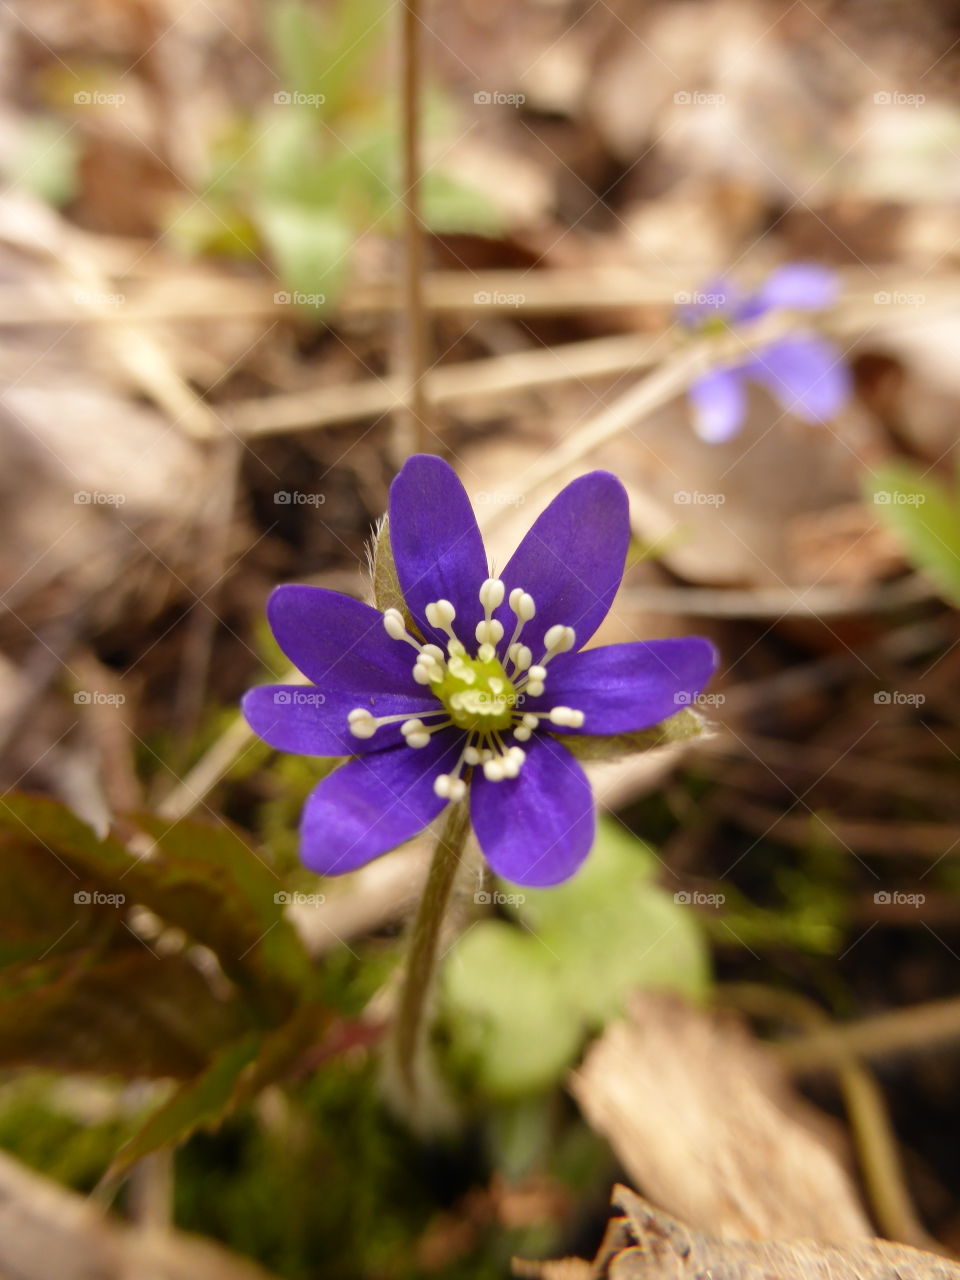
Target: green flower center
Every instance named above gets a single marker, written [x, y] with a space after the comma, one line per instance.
[478, 694]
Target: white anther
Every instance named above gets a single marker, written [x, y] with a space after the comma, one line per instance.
[529, 720]
[560, 639]
[362, 723]
[497, 686]
[538, 673]
[522, 733]
[493, 771]
[521, 602]
[491, 595]
[518, 754]
[511, 767]
[394, 625]
[535, 688]
[418, 739]
[486, 652]
[489, 632]
[566, 716]
[440, 614]
[449, 787]
[520, 655]
[421, 674]
[411, 726]
[433, 651]
[471, 756]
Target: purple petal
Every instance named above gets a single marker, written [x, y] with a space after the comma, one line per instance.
[374, 803]
[537, 828]
[572, 560]
[339, 643]
[807, 375]
[300, 719]
[799, 286]
[624, 687]
[719, 404]
[436, 544]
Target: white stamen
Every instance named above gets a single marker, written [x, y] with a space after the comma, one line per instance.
[521, 602]
[520, 655]
[486, 652]
[560, 639]
[394, 625]
[489, 632]
[493, 771]
[471, 756]
[440, 614]
[491, 595]
[362, 723]
[566, 716]
[449, 787]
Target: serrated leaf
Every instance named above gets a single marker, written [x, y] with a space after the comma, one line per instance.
[686, 724]
[234, 1077]
[201, 877]
[130, 1013]
[925, 514]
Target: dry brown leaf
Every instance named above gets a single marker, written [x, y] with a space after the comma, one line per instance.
[704, 1120]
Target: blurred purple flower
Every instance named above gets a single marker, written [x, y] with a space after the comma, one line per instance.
[805, 374]
[496, 675]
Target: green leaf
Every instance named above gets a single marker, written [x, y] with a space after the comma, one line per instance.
[684, 725]
[614, 930]
[510, 1021]
[519, 999]
[925, 515]
[310, 246]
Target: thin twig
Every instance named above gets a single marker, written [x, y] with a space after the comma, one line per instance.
[414, 424]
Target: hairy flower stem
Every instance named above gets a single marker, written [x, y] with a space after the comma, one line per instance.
[410, 1027]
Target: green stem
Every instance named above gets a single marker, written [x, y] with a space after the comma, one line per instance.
[409, 1033]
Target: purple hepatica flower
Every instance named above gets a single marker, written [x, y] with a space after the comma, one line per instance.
[496, 673]
[805, 374]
